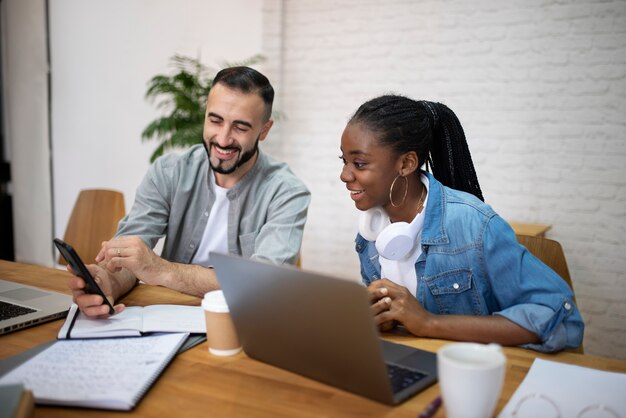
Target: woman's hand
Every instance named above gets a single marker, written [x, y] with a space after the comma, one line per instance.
[392, 302]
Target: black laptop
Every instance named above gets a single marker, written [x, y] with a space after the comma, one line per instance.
[320, 327]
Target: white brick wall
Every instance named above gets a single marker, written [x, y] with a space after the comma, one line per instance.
[539, 86]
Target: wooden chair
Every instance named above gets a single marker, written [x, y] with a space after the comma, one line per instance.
[551, 253]
[94, 219]
[299, 261]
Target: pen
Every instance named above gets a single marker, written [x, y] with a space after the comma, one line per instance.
[431, 408]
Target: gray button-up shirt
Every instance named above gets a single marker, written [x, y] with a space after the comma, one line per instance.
[268, 208]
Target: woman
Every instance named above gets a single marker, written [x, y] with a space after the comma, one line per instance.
[447, 266]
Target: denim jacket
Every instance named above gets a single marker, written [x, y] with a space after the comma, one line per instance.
[472, 264]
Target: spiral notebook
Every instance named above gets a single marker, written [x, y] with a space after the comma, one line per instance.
[112, 373]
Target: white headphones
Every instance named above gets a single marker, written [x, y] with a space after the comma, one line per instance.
[394, 241]
[372, 222]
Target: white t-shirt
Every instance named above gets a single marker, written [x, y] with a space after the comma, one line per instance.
[215, 237]
[402, 271]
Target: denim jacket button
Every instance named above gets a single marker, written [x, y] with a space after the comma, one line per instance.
[567, 306]
[455, 286]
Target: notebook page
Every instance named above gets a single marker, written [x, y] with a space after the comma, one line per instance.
[173, 318]
[108, 373]
[124, 324]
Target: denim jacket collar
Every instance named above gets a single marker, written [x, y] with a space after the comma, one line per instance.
[434, 231]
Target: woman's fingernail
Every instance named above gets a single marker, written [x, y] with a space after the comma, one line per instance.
[387, 301]
[383, 291]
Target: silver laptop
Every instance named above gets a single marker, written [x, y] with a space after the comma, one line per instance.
[320, 327]
[23, 306]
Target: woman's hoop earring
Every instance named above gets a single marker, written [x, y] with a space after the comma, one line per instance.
[406, 190]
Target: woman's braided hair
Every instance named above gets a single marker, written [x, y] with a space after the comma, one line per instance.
[430, 129]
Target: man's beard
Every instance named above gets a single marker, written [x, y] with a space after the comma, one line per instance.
[243, 158]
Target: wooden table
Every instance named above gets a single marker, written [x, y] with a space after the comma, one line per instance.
[199, 384]
[533, 230]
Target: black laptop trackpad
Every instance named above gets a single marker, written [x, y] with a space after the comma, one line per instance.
[410, 357]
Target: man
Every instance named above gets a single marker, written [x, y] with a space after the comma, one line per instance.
[225, 196]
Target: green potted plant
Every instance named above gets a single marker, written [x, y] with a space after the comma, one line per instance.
[182, 96]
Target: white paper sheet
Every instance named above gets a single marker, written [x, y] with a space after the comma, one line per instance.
[570, 389]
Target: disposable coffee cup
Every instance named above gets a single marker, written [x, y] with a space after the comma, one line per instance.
[220, 330]
[471, 377]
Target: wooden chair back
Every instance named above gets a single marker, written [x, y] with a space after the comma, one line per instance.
[299, 261]
[94, 219]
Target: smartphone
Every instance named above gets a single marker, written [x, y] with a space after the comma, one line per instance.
[72, 258]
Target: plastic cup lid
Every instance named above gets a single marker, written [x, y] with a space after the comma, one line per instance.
[214, 301]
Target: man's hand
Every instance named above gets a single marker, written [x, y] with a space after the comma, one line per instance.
[132, 253]
[93, 305]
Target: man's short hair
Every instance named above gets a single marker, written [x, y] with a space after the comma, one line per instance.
[248, 80]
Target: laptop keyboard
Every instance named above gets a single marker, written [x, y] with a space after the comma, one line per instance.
[401, 377]
[9, 310]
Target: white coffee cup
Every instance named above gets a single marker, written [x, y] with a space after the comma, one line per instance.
[220, 330]
[470, 377]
